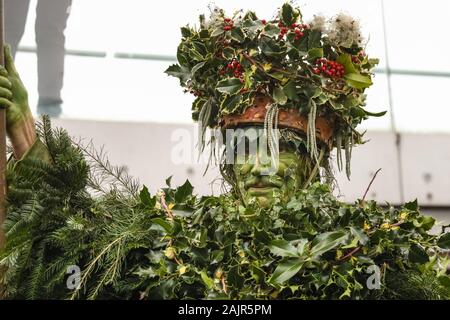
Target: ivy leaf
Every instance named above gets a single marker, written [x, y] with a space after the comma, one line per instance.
[262, 236]
[229, 86]
[291, 90]
[183, 192]
[146, 199]
[285, 270]
[417, 254]
[283, 248]
[358, 81]
[207, 280]
[359, 235]
[164, 224]
[279, 96]
[424, 222]
[444, 241]
[327, 241]
[164, 290]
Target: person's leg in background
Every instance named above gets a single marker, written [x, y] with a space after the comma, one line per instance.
[16, 12]
[51, 21]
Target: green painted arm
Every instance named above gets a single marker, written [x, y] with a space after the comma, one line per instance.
[38, 150]
[20, 125]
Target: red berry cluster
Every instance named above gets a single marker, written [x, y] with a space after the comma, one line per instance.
[234, 67]
[330, 68]
[229, 24]
[283, 30]
[195, 93]
[297, 28]
[264, 21]
[355, 59]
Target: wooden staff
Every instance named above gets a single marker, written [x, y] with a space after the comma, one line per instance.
[2, 143]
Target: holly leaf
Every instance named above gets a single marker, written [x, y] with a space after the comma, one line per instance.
[197, 67]
[237, 34]
[314, 39]
[183, 192]
[271, 30]
[287, 14]
[230, 103]
[412, 205]
[179, 72]
[271, 49]
[229, 86]
[217, 32]
[228, 53]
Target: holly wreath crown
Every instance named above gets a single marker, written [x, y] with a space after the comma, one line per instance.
[315, 74]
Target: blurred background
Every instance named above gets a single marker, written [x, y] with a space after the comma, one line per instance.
[115, 91]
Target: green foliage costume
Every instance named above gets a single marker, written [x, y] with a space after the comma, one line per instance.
[67, 206]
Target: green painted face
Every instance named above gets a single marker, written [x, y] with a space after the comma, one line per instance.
[256, 185]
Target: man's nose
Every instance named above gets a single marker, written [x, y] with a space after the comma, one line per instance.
[256, 168]
[261, 163]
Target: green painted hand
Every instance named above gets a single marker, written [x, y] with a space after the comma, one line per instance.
[13, 94]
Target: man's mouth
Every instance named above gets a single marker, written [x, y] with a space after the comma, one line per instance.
[261, 185]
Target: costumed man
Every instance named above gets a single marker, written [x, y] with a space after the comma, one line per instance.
[79, 228]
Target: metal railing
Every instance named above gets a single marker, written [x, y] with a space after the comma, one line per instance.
[170, 58]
